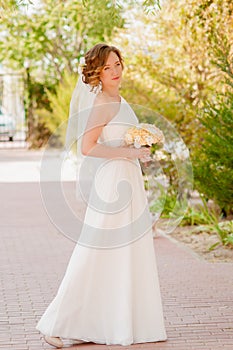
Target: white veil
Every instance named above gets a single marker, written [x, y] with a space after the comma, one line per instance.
[80, 107]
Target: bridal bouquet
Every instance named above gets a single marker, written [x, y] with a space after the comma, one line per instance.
[143, 135]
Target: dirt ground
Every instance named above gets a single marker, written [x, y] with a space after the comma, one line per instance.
[201, 242]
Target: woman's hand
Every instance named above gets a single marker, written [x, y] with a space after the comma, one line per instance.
[142, 153]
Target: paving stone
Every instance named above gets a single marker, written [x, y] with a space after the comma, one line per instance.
[197, 295]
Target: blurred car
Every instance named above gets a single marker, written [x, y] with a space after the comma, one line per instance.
[7, 126]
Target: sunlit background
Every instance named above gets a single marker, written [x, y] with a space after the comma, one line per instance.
[178, 63]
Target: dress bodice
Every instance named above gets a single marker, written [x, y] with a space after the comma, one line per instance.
[113, 133]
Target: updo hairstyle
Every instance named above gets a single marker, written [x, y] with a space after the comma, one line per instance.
[95, 59]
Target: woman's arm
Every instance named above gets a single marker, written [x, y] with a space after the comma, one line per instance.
[90, 147]
[97, 120]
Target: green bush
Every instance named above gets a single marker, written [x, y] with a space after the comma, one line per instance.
[59, 106]
[207, 220]
[213, 161]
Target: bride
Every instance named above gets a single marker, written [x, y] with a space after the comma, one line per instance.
[110, 293]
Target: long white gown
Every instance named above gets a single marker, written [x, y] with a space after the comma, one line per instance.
[110, 293]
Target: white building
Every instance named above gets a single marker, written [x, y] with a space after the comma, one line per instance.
[12, 95]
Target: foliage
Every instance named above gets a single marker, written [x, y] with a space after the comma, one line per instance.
[164, 204]
[163, 187]
[149, 6]
[53, 37]
[227, 227]
[186, 82]
[207, 220]
[44, 41]
[194, 216]
[214, 160]
[59, 105]
[169, 72]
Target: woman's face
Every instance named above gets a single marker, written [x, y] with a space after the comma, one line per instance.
[111, 74]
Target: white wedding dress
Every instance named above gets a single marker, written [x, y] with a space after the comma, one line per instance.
[110, 293]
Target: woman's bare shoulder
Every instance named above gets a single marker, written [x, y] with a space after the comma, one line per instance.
[100, 110]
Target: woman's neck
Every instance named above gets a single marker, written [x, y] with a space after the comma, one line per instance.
[113, 93]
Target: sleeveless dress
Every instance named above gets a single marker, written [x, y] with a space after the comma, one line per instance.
[110, 292]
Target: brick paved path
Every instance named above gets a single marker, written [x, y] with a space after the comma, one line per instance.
[197, 296]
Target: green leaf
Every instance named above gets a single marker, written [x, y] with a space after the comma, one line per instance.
[213, 246]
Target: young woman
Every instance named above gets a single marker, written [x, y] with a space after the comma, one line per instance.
[110, 293]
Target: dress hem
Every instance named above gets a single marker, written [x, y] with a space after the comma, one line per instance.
[104, 342]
